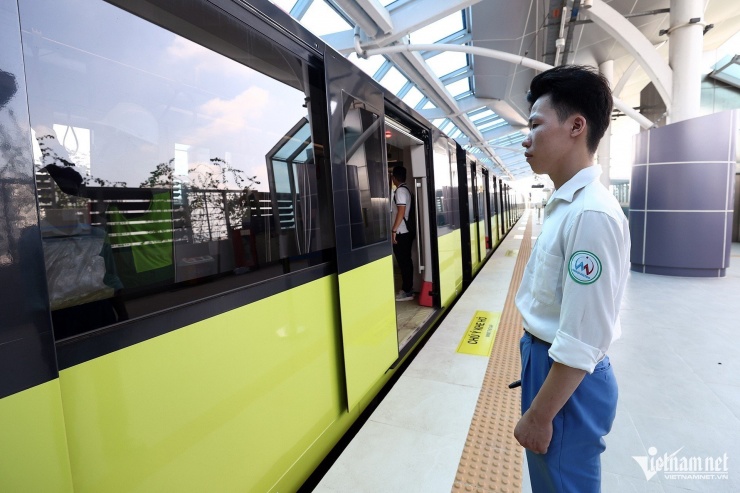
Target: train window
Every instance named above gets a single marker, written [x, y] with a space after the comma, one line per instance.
[166, 171]
[445, 187]
[481, 191]
[367, 178]
[470, 171]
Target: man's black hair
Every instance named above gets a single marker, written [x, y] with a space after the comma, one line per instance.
[68, 180]
[576, 89]
[399, 173]
[8, 87]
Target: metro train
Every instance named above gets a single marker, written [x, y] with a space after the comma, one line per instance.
[195, 258]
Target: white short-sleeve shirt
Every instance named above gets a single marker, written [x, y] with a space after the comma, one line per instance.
[574, 281]
[402, 196]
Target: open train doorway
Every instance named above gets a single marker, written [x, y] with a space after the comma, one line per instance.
[411, 245]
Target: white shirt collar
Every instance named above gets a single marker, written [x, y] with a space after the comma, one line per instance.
[584, 177]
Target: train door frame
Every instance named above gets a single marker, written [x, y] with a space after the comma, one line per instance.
[469, 219]
[489, 243]
[494, 213]
[412, 140]
[467, 209]
[504, 208]
[509, 204]
[480, 214]
[444, 200]
[364, 270]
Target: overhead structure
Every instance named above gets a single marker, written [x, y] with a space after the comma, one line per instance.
[466, 64]
[643, 52]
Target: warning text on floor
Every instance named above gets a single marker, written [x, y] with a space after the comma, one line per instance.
[478, 339]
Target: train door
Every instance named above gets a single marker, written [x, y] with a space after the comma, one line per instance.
[504, 209]
[405, 148]
[469, 230]
[480, 214]
[509, 207]
[361, 202]
[484, 208]
[447, 216]
[495, 212]
[477, 229]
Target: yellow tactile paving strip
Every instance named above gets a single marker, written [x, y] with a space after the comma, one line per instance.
[492, 458]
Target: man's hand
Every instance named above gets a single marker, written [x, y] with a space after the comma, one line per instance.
[533, 433]
[534, 430]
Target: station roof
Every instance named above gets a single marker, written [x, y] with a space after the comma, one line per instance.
[480, 101]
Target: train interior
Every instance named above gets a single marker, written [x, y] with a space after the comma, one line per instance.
[403, 149]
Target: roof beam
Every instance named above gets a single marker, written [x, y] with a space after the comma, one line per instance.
[300, 8]
[463, 73]
[639, 47]
[414, 67]
[499, 55]
[508, 113]
[464, 106]
[413, 15]
[498, 133]
[409, 17]
[341, 41]
[369, 11]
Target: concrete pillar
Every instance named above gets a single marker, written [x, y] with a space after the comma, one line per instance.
[686, 44]
[604, 151]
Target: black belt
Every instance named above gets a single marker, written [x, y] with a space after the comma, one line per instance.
[537, 339]
[518, 383]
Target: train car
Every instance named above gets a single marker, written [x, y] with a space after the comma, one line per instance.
[195, 260]
[477, 231]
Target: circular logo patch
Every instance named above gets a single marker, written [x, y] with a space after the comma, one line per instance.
[584, 267]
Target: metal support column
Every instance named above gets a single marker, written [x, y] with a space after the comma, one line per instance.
[686, 41]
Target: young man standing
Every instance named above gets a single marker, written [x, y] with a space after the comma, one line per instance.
[572, 287]
[401, 237]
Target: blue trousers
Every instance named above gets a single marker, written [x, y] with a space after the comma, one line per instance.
[572, 463]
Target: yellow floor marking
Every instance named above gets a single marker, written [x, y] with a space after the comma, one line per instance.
[478, 339]
[492, 459]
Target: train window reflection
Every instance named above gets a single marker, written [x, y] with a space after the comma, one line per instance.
[471, 186]
[367, 179]
[445, 184]
[481, 191]
[166, 172]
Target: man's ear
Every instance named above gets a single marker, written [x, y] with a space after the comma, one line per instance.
[579, 126]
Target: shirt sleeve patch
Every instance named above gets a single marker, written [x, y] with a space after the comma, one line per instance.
[584, 267]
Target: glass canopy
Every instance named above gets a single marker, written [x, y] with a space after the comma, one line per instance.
[453, 69]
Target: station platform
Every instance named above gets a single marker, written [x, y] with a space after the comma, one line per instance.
[447, 423]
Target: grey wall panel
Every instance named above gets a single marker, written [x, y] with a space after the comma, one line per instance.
[683, 272]
[637, 187]
[698, 175]
[685, 239]
[641, 147]
[736, 211]
[728, 238]
[731, 187]
[698, 139]
[688, 186]
[637, 228]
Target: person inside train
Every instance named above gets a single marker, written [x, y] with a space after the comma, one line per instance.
[84, 286]
[572, 287]
[402, 238]
[8, 87]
